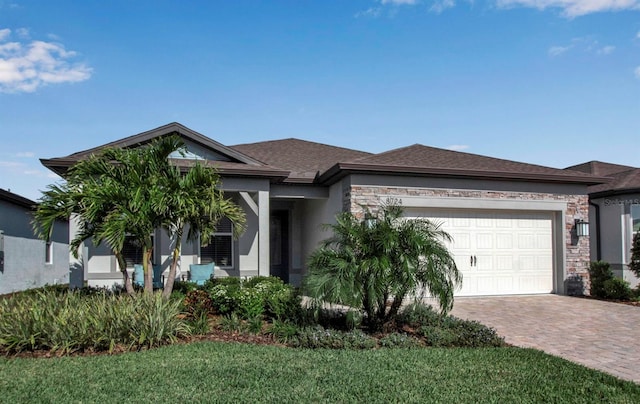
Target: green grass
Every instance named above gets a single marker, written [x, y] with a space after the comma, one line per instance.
[219, 372]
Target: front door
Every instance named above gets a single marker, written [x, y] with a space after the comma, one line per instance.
[279, 244]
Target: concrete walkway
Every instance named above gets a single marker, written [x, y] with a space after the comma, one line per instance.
[600, 335]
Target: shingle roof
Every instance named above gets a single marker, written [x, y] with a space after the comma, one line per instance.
[600, 168]
[16, 199]
[300, 161]
[240, 163]
[304, 159]
[425, 160]
[622, 179]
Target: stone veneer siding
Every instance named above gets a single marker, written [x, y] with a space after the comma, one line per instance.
[577, 250]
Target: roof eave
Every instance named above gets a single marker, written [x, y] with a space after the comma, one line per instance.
[165, 130]
[340, 170]
[17, 199]
[614, 192]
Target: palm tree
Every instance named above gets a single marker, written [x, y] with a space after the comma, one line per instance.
[374, 263]
[124, 193]
[193, 201]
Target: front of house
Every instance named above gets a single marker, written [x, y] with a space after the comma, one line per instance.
[614, 215]
[513, 223]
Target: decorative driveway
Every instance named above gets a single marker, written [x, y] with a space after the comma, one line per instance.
[597, 334]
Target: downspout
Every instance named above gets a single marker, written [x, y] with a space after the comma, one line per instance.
[598, 243]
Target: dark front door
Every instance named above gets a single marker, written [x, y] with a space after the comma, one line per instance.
[279, 244]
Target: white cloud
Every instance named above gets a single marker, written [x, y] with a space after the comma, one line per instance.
[558, 50]
[372, 12]
[606, 50]
[441, 5]
[637, 72]
[24, 67]
[458, 147]
[23, 32]
[573, 8]
[10, 164]
[25, 154]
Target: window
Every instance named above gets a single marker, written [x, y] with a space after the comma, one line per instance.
[132, 251]
[635, 217]
[48, 252]
[220, 247]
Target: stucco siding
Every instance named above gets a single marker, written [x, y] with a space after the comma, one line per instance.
[25, 266]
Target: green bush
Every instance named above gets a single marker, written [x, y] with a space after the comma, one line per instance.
[438, 337]
[71, 322]
[183, 287]
[599, 273]
[283, 331]
[232, 323]
[419, 314]
[617, 288]
[319, 337]
[257, 296]
[398, 340]
[472, 333]
[197, 302]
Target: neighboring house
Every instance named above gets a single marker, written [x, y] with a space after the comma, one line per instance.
[29, 262]
[614, 214]
[513, 223]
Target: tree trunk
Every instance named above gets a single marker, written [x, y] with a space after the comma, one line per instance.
[148, 270]
[168, 287]
[128, 286]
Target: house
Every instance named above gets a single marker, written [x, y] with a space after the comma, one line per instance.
[512, 223]
[26, 261]
[614, 215]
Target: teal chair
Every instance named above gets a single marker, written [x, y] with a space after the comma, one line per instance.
[200, 273]
[138, 276]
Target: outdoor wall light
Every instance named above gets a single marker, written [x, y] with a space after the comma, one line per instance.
[582, 228]
[369, 220]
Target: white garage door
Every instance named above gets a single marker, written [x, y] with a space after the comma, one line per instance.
[498, 253]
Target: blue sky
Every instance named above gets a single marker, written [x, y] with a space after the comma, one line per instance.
[551, 82]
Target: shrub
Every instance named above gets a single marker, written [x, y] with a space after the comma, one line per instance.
[634, 265]
[599, 273]
[225, 298]
[232, 323]
[183, 287]
[72, 322]
[438, 337]
[283, 331]
[398, 340]
[257, 296]
[198, 302]
[472, 333]
[319, 337]
[419, 314]
[199, 324]
[617, 288]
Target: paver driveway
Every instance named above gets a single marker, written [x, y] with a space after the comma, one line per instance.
[600, 335]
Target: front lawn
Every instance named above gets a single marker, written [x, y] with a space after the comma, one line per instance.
[229, 372]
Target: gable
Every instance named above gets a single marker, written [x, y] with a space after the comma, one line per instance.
[198, 147]
[195, 151]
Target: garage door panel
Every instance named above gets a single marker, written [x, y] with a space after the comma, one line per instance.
[513, 250]
[484, 241]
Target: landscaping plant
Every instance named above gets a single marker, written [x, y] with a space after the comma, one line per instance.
[634, 265]
[122, 193]
[68, 322]
[374, 262]
[605, 285]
